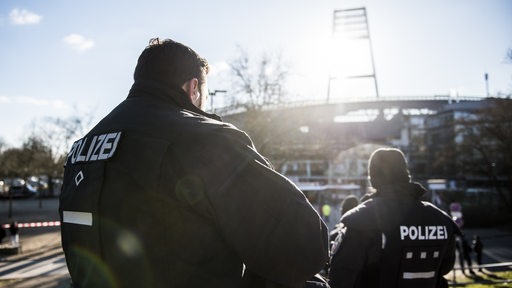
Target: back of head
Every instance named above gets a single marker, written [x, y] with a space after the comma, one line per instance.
[167, 61]
[348, 203]
[387, 166]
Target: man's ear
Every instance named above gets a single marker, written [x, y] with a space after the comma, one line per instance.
[191, 87]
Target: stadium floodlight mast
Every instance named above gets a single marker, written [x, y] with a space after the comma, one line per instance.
[350, 26]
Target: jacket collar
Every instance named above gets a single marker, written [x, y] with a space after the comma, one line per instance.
[410, 189]
[172, 94]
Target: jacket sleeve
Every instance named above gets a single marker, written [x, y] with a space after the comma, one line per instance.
[348, 257]
[262, 215]
[279, 234]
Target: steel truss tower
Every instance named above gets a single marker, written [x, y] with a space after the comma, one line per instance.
[351, 25]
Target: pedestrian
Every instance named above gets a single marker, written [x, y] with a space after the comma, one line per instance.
[464, 251]
[456, 213]
[393, 239]
[326, 212]
[162, 194]
[13, 230]
[478, 248]
[2, 234]
[348, 203]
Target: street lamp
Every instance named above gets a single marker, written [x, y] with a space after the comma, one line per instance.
[213, 94]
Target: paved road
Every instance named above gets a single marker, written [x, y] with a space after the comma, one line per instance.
[29, 209]
[497, 245]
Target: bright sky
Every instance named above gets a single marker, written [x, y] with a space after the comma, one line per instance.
[60, 58]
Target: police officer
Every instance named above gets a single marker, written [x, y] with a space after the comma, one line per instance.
[161, 194]
[393, 239]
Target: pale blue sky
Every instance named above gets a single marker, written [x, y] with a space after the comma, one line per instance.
[60, 57]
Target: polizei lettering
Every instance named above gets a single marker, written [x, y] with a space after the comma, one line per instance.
[423, 232]
[94, 148]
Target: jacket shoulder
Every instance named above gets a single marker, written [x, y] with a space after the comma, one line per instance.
[361, 217]
[435, 209]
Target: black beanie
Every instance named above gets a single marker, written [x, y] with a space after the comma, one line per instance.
[387, 166]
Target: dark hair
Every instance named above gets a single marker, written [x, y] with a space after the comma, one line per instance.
[387, 166]
[170, 62]
[348, 203]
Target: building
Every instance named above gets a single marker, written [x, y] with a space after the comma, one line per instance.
[330, 144]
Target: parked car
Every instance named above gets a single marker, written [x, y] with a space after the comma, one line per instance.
[17, 187]
[3, 188]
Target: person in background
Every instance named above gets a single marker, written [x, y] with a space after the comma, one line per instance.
[393, 239]
[456, 213]
[162, 194]
[478, 248]
[15, 237]
[348, 203]
[464, 250]
[2, 234]
[326, 212]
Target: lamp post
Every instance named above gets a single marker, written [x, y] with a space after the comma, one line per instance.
[486, 77]
[213, 93]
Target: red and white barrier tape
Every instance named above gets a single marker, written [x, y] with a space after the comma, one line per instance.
[34, 224]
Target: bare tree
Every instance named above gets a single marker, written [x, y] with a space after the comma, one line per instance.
[2, 144]
[481, 145]
[485, 141]
[260, 84]
[59, 133]
[45, 149]
[8, 162]
[33, 158]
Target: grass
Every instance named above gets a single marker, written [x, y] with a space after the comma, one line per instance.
[483, 280]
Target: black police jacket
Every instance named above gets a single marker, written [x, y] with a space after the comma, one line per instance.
[161, 194]
[393, 240]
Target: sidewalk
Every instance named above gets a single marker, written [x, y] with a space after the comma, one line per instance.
[28, 210]
[33, 247]
[35, 242]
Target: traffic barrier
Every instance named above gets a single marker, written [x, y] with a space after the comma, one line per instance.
[34, 224]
